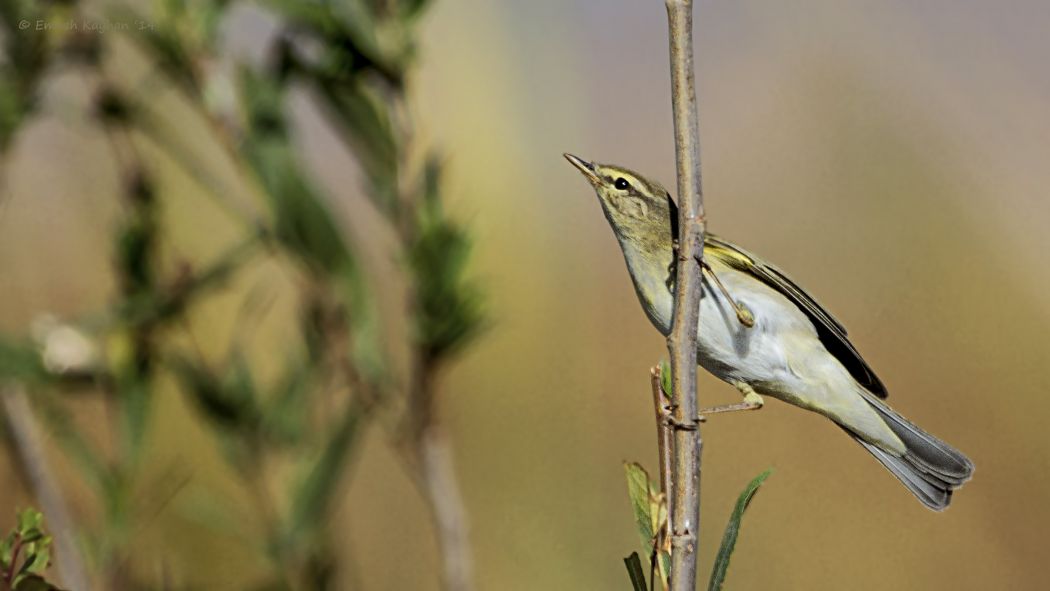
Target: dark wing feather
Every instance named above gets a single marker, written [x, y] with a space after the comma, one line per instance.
[832, 334]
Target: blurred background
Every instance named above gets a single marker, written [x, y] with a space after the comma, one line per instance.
[892, 156]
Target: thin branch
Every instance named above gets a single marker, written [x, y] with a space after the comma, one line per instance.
[432, 455]
[665, 448]
[685, 501]
[29, 448]
[450, 516]
[664, 432]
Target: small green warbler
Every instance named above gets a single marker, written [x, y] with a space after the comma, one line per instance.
[760, 332]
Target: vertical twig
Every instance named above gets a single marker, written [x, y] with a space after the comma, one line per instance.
[665, 449]
[438, 479]
[29, 448]
[685, 501]
[664, 433]
[432, 455]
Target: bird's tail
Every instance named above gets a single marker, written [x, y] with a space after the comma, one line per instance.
[930, 468]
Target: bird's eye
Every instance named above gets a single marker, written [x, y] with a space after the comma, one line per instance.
[622, 184]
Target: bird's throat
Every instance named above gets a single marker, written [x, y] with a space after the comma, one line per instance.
[652, 271]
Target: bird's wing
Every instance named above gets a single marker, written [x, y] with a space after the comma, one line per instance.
[832, 334]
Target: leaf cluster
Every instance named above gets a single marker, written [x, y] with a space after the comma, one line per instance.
[25, 553]
[649, 505]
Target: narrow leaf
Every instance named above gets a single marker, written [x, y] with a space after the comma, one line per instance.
[313, 498]
[29, 519]
[650, 514]
[20, 362]
[638, 491]
[718, 573]
[635, 571]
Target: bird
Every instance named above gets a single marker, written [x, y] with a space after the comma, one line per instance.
[761, 332]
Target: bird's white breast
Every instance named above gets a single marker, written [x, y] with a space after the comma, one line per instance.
[727, 348]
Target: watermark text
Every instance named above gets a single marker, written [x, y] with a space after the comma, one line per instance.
[84, 25]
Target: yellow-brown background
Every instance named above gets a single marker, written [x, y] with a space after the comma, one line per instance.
[893, 156]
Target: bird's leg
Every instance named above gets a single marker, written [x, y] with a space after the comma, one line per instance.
[742, 313]
[752, 401]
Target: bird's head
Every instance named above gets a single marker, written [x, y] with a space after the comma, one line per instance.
[640, 211]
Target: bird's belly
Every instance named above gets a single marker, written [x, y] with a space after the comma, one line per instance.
[756, 355]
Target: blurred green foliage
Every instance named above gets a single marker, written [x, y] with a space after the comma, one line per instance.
[356, 56]
[26, 61]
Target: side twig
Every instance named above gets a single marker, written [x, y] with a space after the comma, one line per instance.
[664, 432]
[29, 448]
[685, 500]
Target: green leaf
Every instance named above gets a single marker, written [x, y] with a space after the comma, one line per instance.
[20, 362]
[650, 513]
[313, 498]
[665, 377]
[449, 311]
[26, 55]
[636, 572]
[229, 402]
[171, 303]
[28, 520]
[286, 409]
[304, 223]
[170, 50]
[638, 491]
[718, 573]
[7, 547]
[39, 557]
[369, 134]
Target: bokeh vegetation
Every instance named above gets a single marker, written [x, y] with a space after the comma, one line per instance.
[289, 424]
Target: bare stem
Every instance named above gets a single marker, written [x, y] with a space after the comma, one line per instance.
[664, 433]
[446, 504]
[432, 455]
[685, 469]
[29, 448]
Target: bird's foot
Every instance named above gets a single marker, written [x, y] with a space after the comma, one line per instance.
[743, 315]
[745, 405]
[752, 401]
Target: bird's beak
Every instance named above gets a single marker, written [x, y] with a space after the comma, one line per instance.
[585, 167]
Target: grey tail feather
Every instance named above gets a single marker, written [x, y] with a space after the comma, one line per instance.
[930, 468]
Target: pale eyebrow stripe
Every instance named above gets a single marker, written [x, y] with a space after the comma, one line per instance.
[631, 178]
